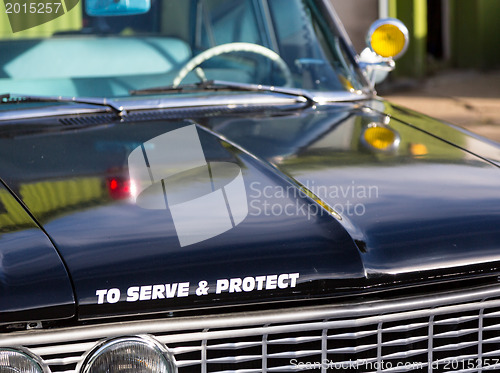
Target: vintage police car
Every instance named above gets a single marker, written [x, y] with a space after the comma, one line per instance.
[214, 186]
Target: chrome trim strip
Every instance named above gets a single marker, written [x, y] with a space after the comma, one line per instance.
[175, 102]
[237, 99]
[50, 111]
[332, 13]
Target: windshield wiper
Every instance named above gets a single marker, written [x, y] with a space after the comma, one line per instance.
[220, 85]
[9, 98]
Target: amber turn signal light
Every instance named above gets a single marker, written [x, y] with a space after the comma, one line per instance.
[388, 38]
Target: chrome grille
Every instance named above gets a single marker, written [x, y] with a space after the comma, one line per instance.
[451, 332]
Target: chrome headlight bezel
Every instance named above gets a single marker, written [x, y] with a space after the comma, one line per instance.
[105, 345]
[36, 360]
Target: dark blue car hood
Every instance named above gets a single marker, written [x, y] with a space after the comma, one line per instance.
[326, 214]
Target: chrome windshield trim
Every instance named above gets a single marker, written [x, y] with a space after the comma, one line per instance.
[235, 100]
[332, 97]
[244, 100]
[332, 14]
[50, 111]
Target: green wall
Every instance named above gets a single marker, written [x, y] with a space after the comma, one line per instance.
[474, 33]
[414, 15]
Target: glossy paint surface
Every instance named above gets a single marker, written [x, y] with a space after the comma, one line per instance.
[322, 204]
[425, 208]
[34, 284]
[109, 242]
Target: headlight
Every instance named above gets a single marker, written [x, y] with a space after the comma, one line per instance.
[140, 354]
[20, 361]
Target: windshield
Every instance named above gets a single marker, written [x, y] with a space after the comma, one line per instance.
[285, 43]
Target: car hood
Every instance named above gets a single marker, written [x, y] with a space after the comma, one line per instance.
[309, 208]
[429, 203]
[34, 284]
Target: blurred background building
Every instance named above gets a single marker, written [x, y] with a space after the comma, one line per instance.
[451, 70]
[443, 33]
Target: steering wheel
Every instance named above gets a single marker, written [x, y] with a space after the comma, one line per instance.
[230, 48]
